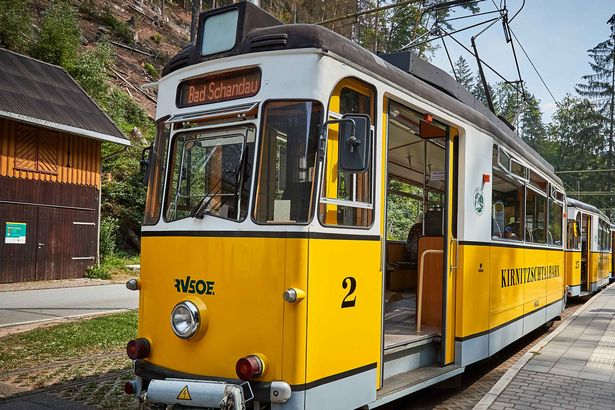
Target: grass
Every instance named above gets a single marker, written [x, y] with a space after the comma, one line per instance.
[111, 265]
[67, 341]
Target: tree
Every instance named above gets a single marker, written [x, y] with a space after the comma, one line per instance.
[91, 71]
[531, 127]
[576, 143]
[600, 88]
[15, 24]
[479, 92]
[463, 73]
[196, 10]
[507, 101]
[59, 37]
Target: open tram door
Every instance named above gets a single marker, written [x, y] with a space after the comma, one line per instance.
[420, 249]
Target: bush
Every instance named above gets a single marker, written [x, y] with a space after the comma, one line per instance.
[59, 37]
[125, 112]
[91, 70]
[15, 24]
[88, 7]
[98, 272]
[152, 71]
[108, 236]
[109, 266]
[156, 38]
[119, 28]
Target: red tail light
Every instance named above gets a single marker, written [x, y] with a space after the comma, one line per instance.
[249, 367]
[137, 348]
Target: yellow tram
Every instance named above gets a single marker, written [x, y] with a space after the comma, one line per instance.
[588, 249]
[271, 275]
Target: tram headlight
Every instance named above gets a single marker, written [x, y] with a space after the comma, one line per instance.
[185, 319]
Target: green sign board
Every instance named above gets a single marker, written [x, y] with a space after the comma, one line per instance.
[15, 232]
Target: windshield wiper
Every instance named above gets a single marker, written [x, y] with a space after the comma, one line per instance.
[202, 207]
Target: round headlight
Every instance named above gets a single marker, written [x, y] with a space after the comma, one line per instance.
[185, 319]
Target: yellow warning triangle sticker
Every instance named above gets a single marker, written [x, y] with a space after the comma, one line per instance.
[184, 394]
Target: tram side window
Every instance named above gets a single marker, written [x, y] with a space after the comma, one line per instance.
[574, 239]
[507, 208]
[555, 223]
[535, 214]
[353, 188]
[404, 208]
[158, 163]
[287, 160]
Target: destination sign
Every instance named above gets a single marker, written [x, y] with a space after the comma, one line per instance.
[219, 87]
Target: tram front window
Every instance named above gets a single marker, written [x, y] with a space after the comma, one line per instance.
[210, 174]
[287, 162]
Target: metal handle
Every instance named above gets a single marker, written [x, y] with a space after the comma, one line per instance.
[40, 244]
[456, 242]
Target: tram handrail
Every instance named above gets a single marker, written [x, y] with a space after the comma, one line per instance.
[419, 296]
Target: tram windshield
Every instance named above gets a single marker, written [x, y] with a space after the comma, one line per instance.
[210, 174]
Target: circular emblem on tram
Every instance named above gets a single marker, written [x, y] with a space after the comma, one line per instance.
[479, 202]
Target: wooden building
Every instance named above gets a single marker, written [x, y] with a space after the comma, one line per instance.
[50, 155]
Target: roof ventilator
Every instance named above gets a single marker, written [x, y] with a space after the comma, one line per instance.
[269, 40]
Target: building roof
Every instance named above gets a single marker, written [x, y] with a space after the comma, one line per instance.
[43, 94]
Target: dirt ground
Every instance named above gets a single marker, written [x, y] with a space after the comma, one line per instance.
[65, 283]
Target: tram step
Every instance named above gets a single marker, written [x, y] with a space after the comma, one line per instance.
[410, 356]
[406, 383]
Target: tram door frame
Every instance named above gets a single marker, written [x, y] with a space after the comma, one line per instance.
[450, 241]
[586, 248]
[451, 247]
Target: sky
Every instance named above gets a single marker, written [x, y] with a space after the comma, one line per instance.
[556, 35]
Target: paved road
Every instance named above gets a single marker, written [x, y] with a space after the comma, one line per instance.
[28, 306]
[575, 368]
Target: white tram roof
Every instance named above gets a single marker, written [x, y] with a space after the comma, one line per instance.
[259, 31]
[587, 207]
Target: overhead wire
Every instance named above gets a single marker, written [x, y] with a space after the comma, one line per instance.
[493, 70]
[450, 60]
[534, 67]
[414, 44]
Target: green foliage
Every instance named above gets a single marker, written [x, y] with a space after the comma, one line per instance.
[152, 71]
[599, 87]
[531, 127]
[576, 142]
[89, 8]
[110, 264]
[156, 38]
[463, 73]
[59, 37]
[67, 341]
[125, 111]
[119, 28]
[402, 211]
[15, 24]
[108, 235]
[91, 70]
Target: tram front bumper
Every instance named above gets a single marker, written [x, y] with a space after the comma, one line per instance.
[210, 394]
[195, 393]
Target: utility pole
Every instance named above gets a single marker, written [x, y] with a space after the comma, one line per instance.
[611, 136]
